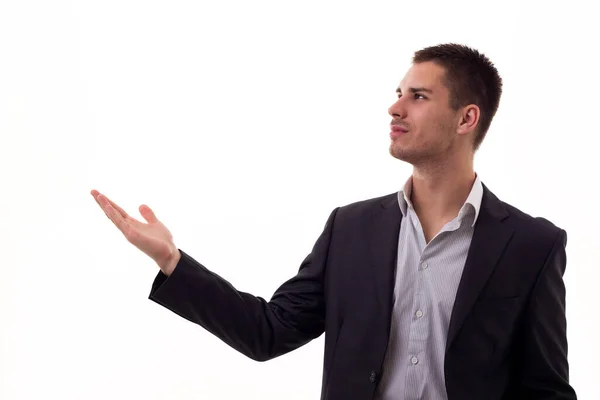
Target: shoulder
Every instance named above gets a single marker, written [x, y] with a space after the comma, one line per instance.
[533, 231]
[362, 207]
[537, 224]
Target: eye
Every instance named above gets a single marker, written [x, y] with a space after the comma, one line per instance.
[419, 94]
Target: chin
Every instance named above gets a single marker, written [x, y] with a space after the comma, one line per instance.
[400, 154]
[406, 155]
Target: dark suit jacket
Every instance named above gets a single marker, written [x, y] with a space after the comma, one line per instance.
[507, 334]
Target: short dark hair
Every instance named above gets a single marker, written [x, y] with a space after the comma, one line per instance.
[471, 78]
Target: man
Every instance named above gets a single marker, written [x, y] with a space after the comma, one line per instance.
[439, 291]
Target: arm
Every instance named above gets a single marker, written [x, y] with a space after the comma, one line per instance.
[545, 369]
[259, 329]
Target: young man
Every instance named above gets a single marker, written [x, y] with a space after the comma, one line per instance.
[438, 291]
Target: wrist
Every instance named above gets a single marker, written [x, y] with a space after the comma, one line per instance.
[171, 263]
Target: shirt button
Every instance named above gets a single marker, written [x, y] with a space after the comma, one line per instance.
[414, 360]
[419, 314]
[424, 265]
[372, 377]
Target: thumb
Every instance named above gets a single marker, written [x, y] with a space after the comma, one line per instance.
[147, 214]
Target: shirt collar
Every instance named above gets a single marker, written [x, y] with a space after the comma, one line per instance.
[473, 200]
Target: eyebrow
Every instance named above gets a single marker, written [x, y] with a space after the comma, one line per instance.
[415, 90]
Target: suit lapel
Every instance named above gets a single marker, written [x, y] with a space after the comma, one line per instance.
[490, 238]
[383, 230]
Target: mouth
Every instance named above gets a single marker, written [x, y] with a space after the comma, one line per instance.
[397, 128]
[397, 131]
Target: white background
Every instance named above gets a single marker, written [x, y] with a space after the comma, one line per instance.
[243, 124]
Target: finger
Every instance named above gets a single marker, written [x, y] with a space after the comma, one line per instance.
[118, 220]
[96, 196]
[102, 200]
[148, 214]
[115, 206]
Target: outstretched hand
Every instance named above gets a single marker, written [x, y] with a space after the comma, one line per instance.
[153, 238]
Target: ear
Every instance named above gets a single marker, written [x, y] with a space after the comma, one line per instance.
[468, 119]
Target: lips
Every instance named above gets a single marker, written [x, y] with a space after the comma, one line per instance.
[397, 128]
[397, 131]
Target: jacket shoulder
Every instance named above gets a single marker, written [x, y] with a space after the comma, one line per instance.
[538, 227]
[367, 205]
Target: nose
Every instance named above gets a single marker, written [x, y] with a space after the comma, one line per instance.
[397, 110]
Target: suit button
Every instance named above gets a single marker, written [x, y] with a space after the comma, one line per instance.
[372, 377]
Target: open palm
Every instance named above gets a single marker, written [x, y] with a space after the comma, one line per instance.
[153, 238]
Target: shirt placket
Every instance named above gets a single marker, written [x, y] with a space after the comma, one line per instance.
[419, 326]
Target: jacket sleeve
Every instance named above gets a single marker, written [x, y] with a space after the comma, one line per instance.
[545, 369]
[259, 329]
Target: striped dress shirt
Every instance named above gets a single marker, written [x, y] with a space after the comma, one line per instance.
[426, 282]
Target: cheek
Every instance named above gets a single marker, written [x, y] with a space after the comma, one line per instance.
[438, 123]
[433, 129]
[428, 124]
[426, 117]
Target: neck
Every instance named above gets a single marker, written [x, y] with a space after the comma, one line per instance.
[439, 190]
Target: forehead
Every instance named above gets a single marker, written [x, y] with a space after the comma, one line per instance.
[425, 74]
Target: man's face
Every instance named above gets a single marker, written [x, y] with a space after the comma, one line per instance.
[423, 126]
